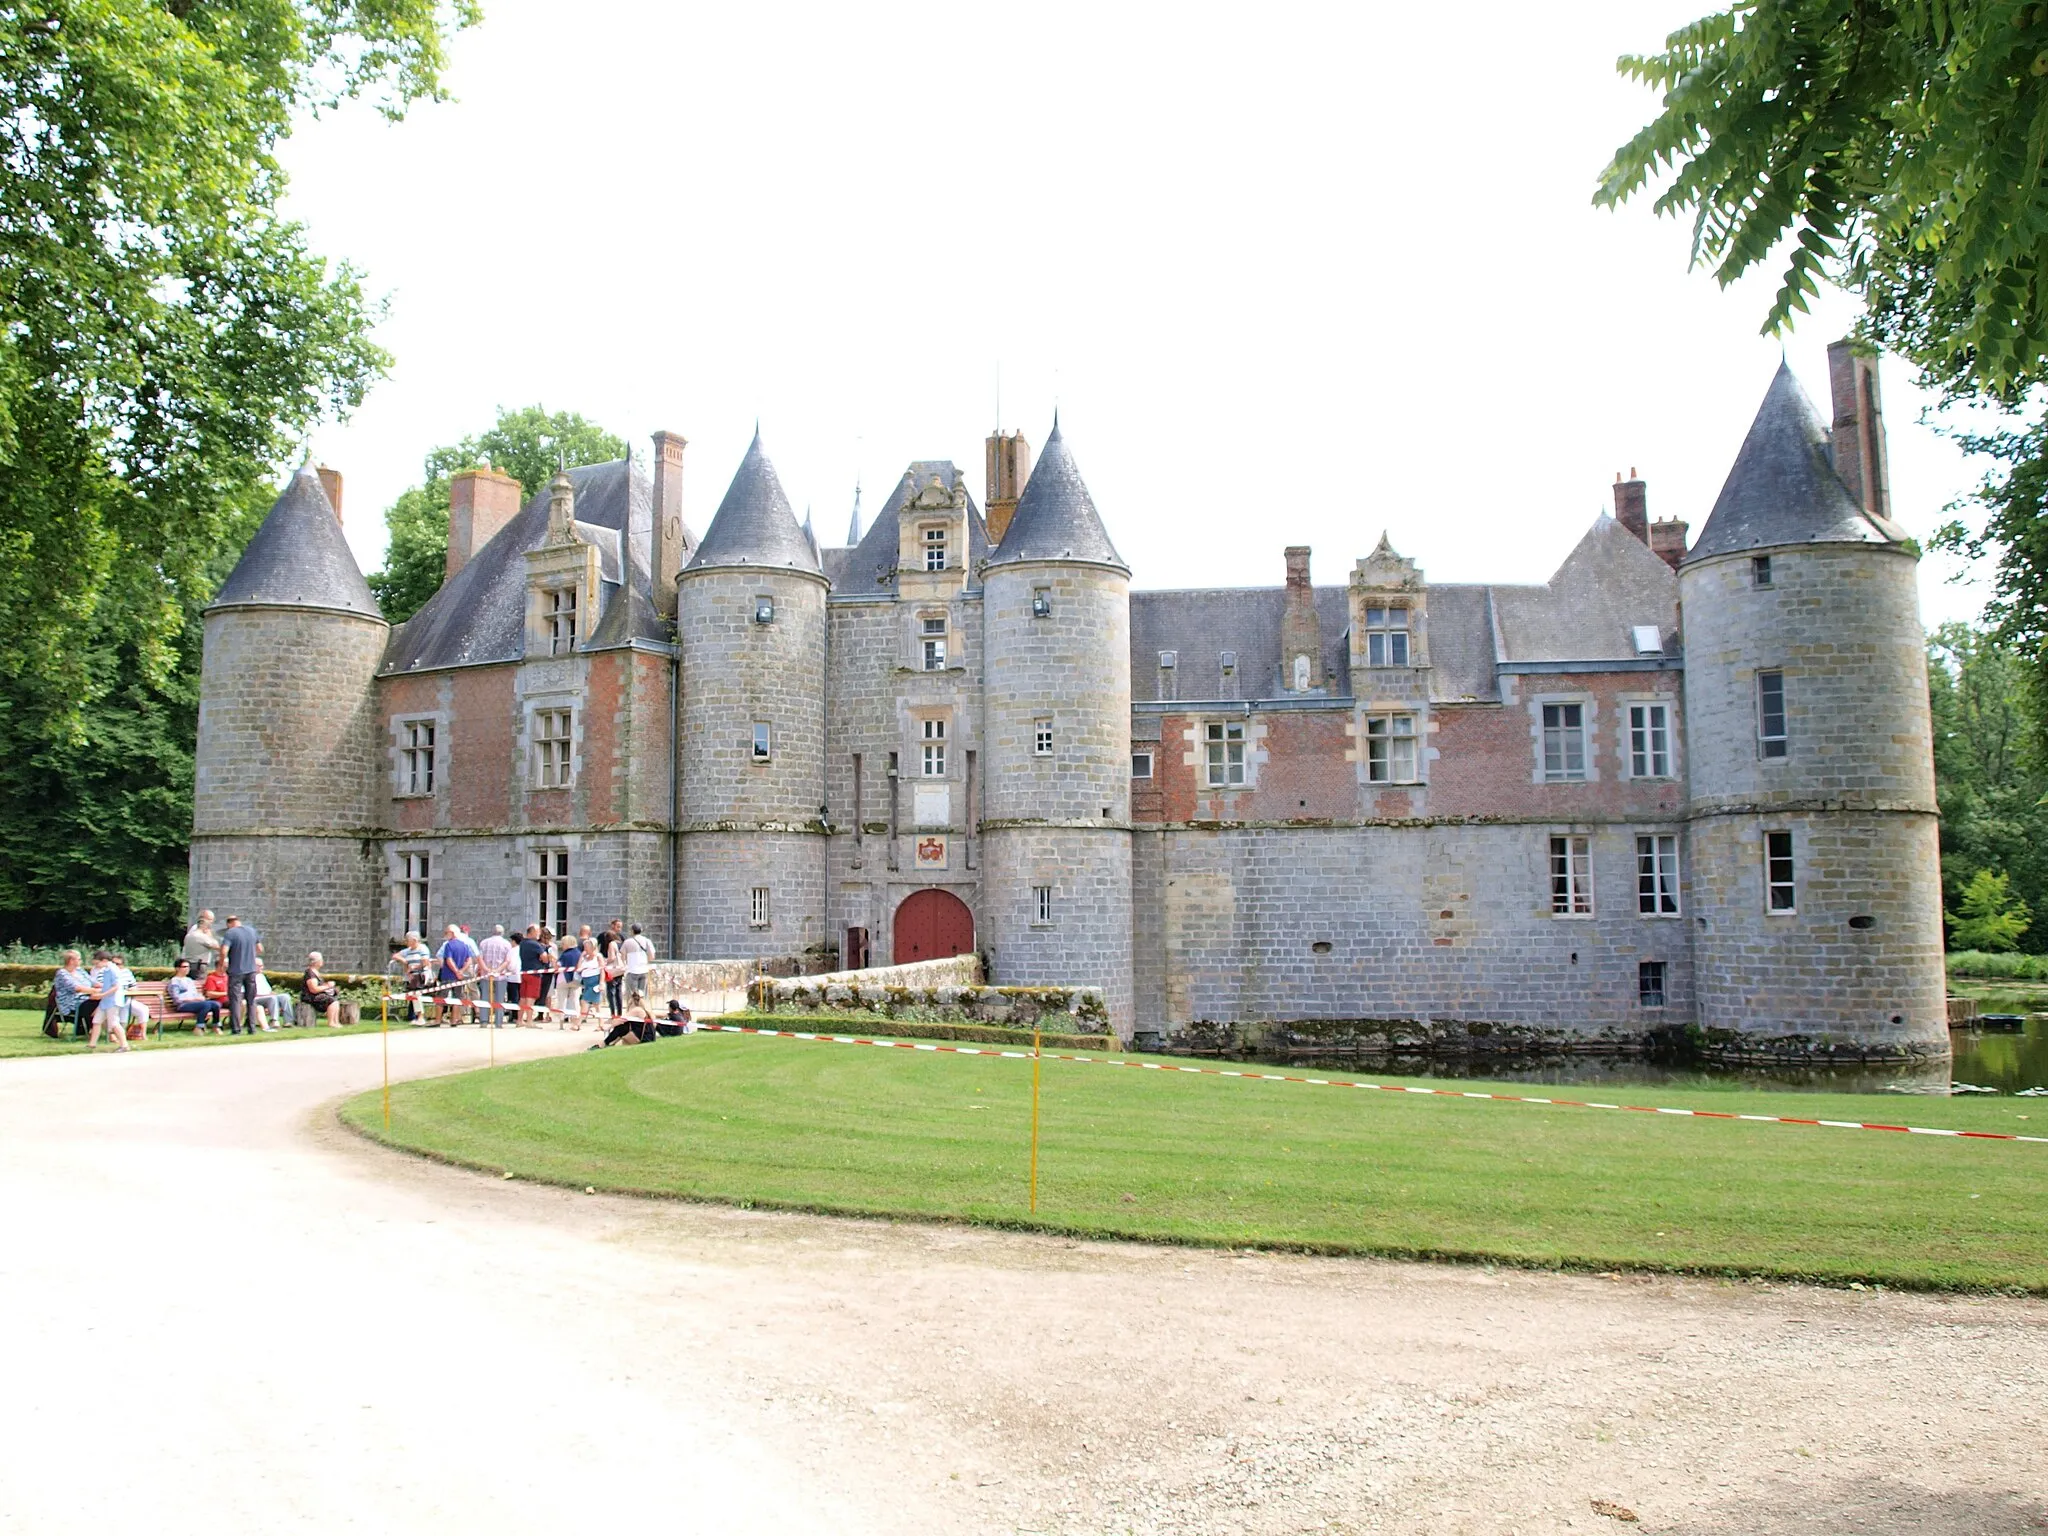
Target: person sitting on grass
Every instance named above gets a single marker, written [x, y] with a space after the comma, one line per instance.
[112, 1012]
[678, 1021]
[633, 1029]
[316, 994]
[186, 997]
[73, 991]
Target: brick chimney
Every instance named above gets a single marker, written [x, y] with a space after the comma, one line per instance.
[1667, 540]
[1859, 427]
[330, 482]
[665, 550]
[1632, 505]
[1009, 467]
[480, 502]
[1301, 630]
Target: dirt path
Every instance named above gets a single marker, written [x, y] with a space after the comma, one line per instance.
[222, 1312]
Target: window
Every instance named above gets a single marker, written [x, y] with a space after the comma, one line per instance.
[935, 749]
[1657, 876]
[1760, 570]
[1386, 637]
[1141, 765]
[1649, 741]
[551, 742]
[416, 758]
[1564, 742]
[551, 888]
[1650, 983]
[1041, 905]
[561, 614]
[1781, 894]
[1571, 877]
[1225, 741]
[1390, 749]
[1041, 602]
[934, 642]
[1226, 668]
[757, 907]
[415, 870]
[1649, 639]
[1301, 673]
[764, 610]
[935, 549]
[1041, 738]
[1770, 714]
[764, 742]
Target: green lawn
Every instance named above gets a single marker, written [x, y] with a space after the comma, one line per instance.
[1183, 1158]
[21, 1034]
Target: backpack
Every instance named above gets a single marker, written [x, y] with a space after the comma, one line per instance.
[53, 1022]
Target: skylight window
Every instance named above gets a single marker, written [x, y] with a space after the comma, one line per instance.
[1649, 640]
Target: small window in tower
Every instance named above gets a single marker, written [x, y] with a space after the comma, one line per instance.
[1781, 890]
[553, 737]
[1041, 738]
[1041, 602]
[1141, 765]
[1564, 742]
[1390, 749]
[757, 907]
[764, 609]
[934, 749]
[1386, 637]
[935, 549]
[1657, 876]
[1224, 740]
[1760, 570]
[1770, 714]
[1041, 906]
[764, 742]
[1571, 877]
[1650, 983]
[561, 613]
[932, 638]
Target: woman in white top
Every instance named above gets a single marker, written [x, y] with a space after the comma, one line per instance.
[589, 981]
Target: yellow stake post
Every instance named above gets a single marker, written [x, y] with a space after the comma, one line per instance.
[384, 1037]
[1034, 1121]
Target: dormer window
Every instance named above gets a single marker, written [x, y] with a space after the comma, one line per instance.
[1226, 666]
[1386, 637]
[561, 617]
[933, 643]
[935, 549]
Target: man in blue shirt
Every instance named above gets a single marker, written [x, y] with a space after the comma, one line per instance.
[458, 965]
[243, 946]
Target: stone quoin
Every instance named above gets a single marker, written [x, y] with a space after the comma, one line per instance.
[1667, 789]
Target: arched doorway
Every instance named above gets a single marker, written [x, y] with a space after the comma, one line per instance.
[931, 925]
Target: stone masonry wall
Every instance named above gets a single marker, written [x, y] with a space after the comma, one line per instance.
[298, 893]
[720, 870]
[1088, 941]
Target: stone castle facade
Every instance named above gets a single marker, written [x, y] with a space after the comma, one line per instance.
[1670, 787]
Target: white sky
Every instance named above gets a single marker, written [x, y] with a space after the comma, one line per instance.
[1291, 274]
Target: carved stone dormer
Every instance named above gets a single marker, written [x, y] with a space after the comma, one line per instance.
[931, 553]
[1389, 620]
[562, 579]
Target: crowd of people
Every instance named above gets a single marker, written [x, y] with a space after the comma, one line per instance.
[219, 982]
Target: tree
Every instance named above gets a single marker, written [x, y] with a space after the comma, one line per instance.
[166, 337]
[1991, 917]
[526, 444]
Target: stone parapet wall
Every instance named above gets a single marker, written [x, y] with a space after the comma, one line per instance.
[922, 992]
[953, 971]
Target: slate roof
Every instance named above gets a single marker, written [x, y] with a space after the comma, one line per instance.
[859, 572]
[1588, 610]
[1199, 625]
[754, 524]
[480, 615]
[1783, 488]
[1056, 517]
[299, 558]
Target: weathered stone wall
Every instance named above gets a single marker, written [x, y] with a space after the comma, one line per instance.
[1088, 940]
[488, 879]
[720, 870]
[1449, 922]
[299, 894]
[954, 971]
[1855, 789]
[1060, 1010]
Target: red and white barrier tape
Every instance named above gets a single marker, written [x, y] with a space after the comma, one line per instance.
[1329, 1082]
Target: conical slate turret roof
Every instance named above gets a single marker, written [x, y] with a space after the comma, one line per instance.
[754, 524]
[299, 558]
[1056, 517]
[1783, 488]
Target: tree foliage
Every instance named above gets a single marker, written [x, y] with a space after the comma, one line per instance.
[166, 337]
[1989, 916]
[526, 444]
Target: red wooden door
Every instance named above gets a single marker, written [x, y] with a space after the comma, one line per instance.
[931, 925]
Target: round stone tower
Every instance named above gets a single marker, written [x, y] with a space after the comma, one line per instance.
[289, 751]
[1056, 724]
[750, 616]
[1816, 878]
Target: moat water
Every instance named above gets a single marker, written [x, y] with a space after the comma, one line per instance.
[1981, 1059]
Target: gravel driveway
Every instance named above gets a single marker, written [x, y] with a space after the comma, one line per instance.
[224, 1313]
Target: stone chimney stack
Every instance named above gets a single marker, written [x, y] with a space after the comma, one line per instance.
[480, 502]
[1859, 427]
[1667, 540]
[1009, 467]
[1632, 505]
[1301, 630]
[330, 482]
[665, 552]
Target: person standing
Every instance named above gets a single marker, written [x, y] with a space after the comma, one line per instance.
[458, 966]
[639, 960]
[498, 962]
[610, 944]
[590, 981]
[112, 1012]
[533, 961]
[200, 944]
[243, 947]
[413, 962]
